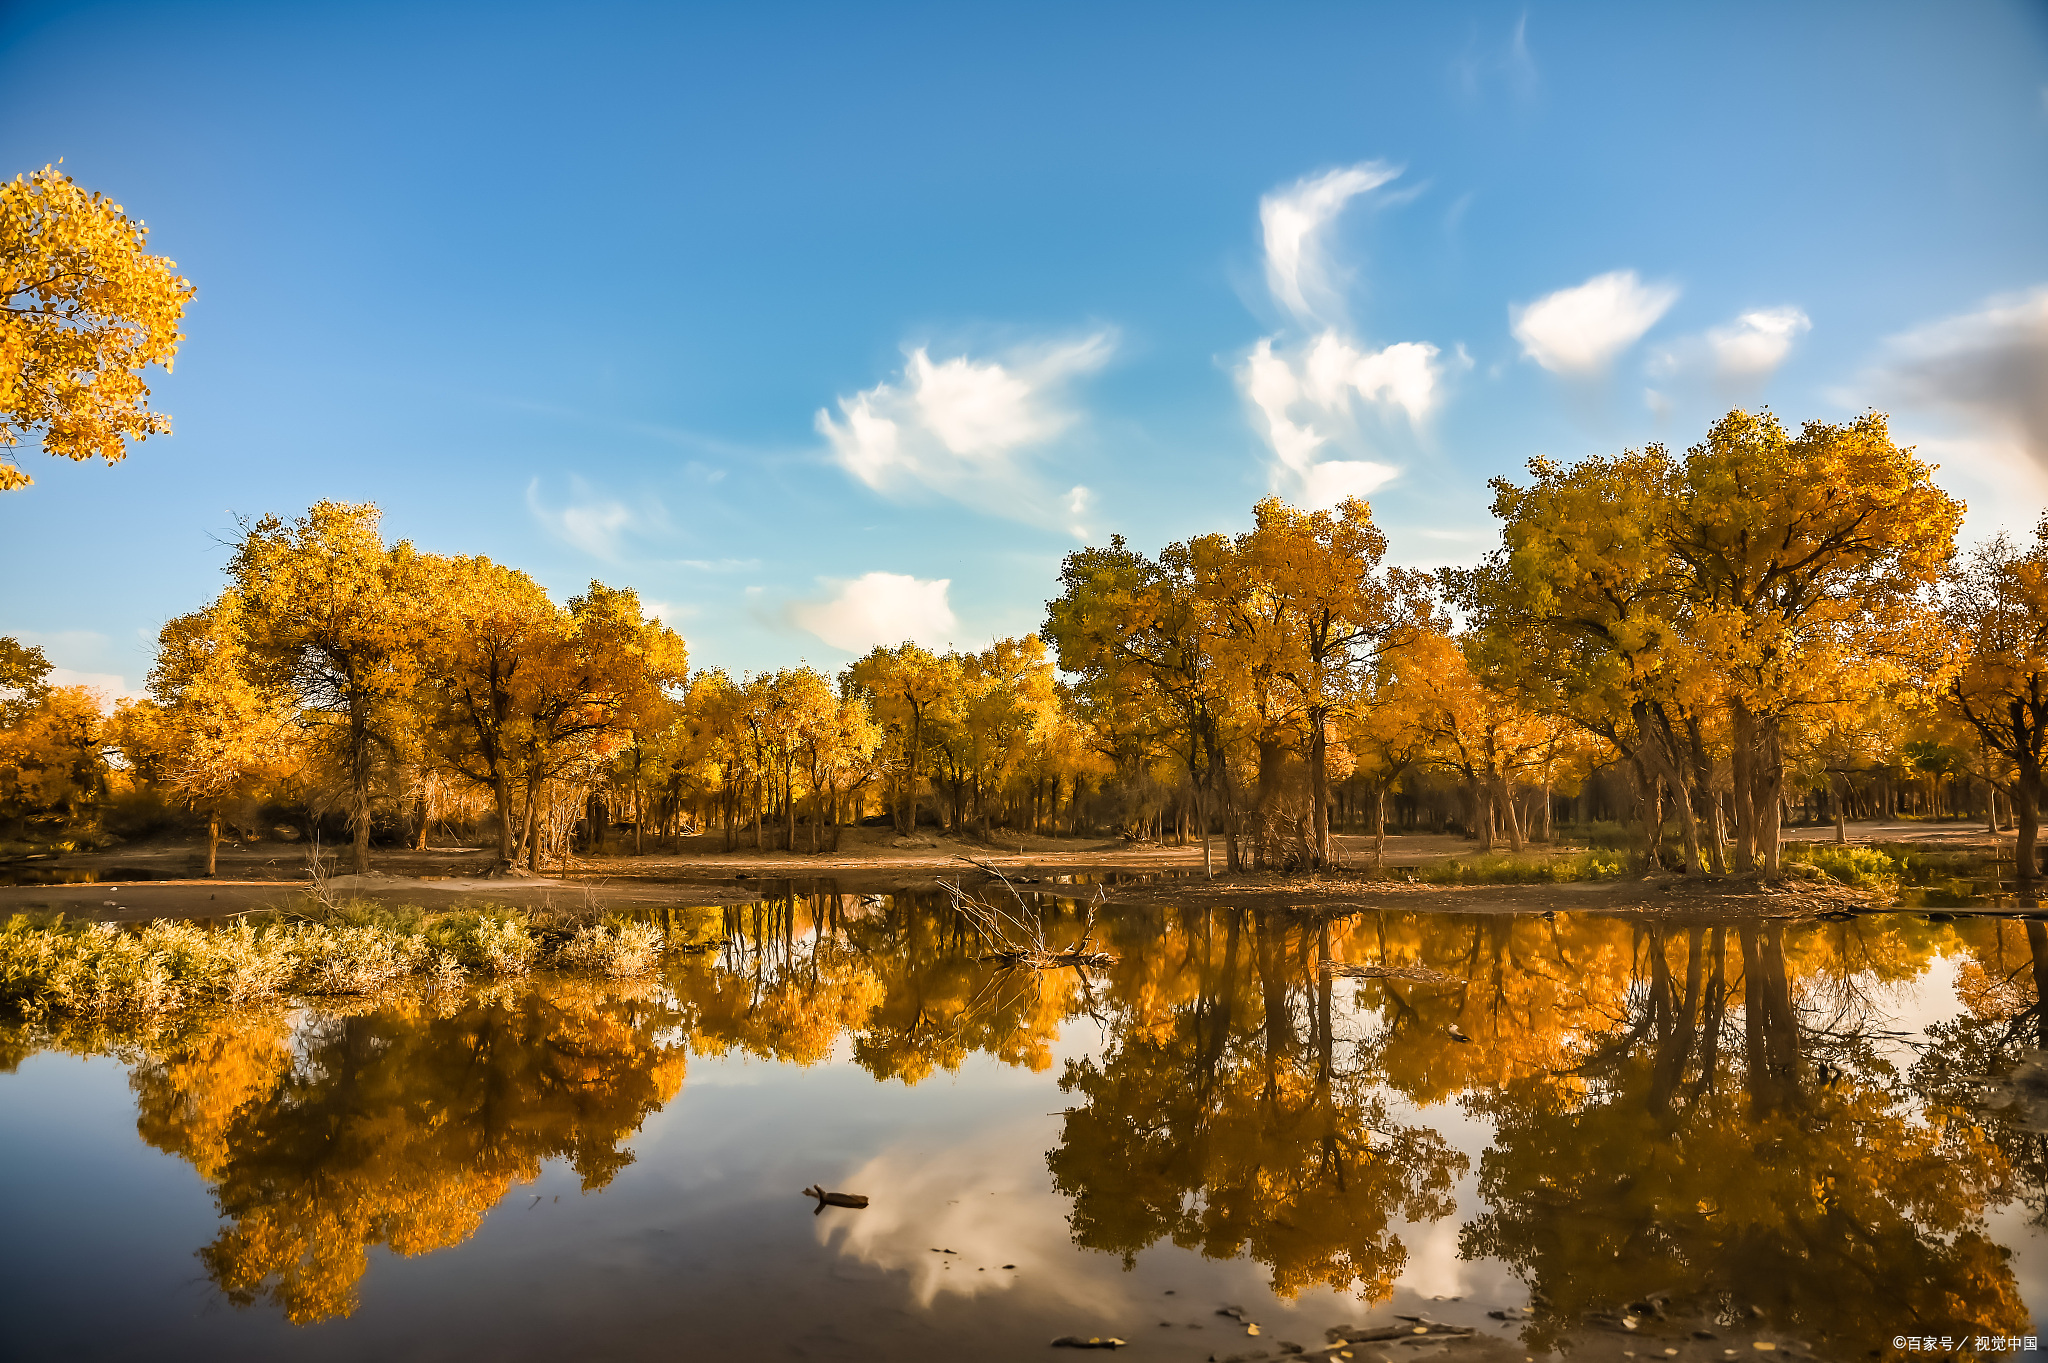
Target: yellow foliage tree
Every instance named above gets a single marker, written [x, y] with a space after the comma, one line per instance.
[1996, 605]
[208, 728]
[332, 614]
[84, 308]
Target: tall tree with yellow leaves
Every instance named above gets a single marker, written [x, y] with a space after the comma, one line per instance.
[1308, 585]
[904, 688]
[330, 612]
[1806, 562]
[492, 632]
[1996, 606]
[208, 729]
[84, 308]
[604, 678]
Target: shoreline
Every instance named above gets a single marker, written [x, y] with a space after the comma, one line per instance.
[153, 880]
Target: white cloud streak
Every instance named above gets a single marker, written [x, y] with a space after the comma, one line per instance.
[1579, 331]
[879, 608]
[1317, 395]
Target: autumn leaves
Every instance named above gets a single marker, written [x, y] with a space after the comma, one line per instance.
[83, 308]
[338, 663]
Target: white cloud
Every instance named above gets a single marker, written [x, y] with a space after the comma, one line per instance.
[957, 427]
[879, 608]
[1989, 368]
[110, 686]
[1296, 221]
[1756, 343]
[668, 612]
[1579, 331]
[992, 1218]
[1079, 500]
[94, 653]
[598, 525]
[1323, 396]
[1311, 401]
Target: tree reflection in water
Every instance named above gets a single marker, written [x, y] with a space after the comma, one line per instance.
[1713, 1120]
[399, 1125]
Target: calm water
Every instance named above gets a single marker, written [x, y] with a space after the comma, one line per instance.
[1769, 1131]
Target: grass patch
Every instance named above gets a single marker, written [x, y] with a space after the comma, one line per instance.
[49, 966]
[1523, 870]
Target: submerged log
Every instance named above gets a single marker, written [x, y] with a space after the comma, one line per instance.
[825, 1199]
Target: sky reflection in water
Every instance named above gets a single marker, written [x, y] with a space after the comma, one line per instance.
[1763, 1129]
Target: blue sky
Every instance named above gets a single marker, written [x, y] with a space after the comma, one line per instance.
[824, 325]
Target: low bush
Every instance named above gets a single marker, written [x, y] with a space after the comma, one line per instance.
[48, 966]
[1849, 865]
[1522, 870]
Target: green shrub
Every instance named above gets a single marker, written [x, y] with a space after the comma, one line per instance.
[1849, 865]
[1522, 870]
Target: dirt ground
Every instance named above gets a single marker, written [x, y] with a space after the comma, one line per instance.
[162, 878]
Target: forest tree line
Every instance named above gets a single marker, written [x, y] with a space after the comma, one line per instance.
[1702, 640]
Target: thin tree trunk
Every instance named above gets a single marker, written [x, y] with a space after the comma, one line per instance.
[212, 842]
[1743, 757]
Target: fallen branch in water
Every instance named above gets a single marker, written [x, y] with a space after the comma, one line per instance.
[1017, 933]
[825, 1199]
[1420, 974]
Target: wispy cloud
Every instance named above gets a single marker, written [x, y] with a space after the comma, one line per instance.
[598, 525]
[962, 427]
[1297, 222]
[1989, 368]
[1506, 60]
[1578, 332]
[1321, 393]
[879, 608]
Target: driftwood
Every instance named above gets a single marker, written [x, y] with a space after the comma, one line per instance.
[825, 1199]
[1420, 974]
[1017, 935]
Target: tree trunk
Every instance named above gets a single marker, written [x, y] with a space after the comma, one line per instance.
[212, 841]
[1319, 786]
[1743, 757]
[1836, 782]
[1769, 796]
[1379, 827]
[2026, 809]
[2037, 946]
[1506, 798]
[501, 795]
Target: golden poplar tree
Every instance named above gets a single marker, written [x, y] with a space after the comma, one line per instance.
[1996, 605]
[84, 308]
[331, 613]
[209, 729]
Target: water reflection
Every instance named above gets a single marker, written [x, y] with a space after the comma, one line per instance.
[1775, 1125]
